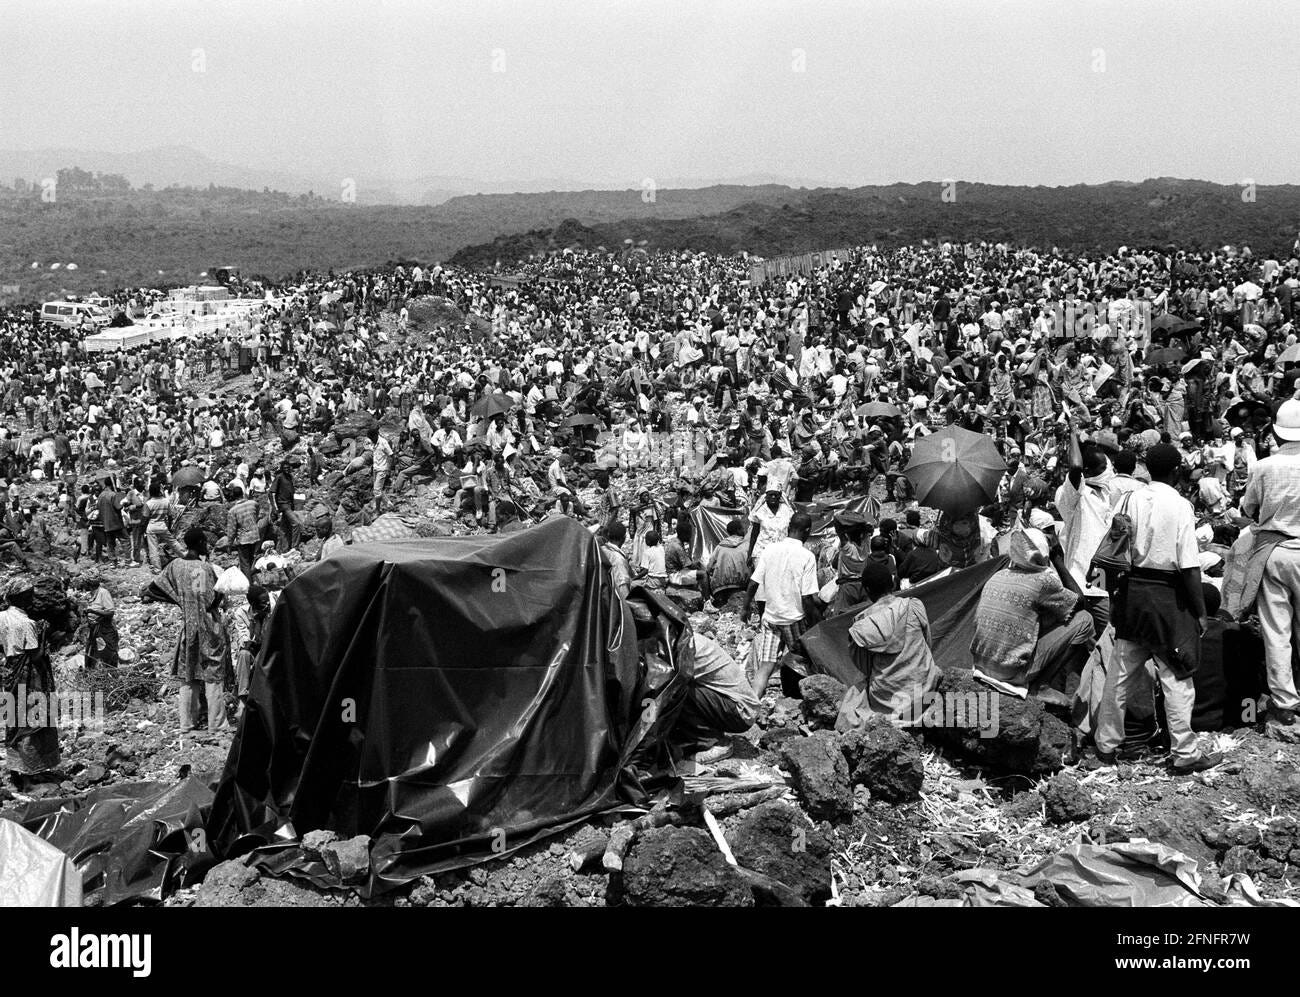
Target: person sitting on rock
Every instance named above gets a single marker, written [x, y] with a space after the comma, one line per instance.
[719, 699]
[891, 638]
[1031, 630]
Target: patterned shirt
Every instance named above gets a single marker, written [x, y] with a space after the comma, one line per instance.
[242, 522]
[1015, 608]
[1273, 491]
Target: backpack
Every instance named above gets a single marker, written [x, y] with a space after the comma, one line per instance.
[1115, 553]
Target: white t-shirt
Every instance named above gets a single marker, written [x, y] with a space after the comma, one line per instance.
[1163, 529]
[786, 571]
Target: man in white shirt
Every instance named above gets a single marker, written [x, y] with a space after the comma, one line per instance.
[784, 580]
[1272, 499]
[1159, 614]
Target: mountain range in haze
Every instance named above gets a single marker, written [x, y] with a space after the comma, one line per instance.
[178, 165]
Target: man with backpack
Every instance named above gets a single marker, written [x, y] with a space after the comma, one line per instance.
[1159, 614]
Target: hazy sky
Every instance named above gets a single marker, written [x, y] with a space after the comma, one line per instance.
[1046, 92]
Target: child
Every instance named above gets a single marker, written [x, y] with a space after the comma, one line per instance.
[654, 562]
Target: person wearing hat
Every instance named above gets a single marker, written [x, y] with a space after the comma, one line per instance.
[1159, 614]
[101, 633]
[1272, 578]
[894, 636]
[1031, 629]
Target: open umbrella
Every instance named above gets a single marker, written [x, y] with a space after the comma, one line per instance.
[325, 326]
[955, 470]
[1254, 414]
[582, 419]
[203, 401]
[878, 410]
[1290, 355]
[93, 381]
[1171, 323]
[497, 403]
[1166, 354]
[187, 477]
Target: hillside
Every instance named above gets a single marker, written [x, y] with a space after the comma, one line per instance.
[1186, 212]
[118, 235]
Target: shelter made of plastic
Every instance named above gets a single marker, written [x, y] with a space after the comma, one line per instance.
[35, 873]
[452, 698]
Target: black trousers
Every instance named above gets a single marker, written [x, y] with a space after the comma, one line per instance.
[705, 716]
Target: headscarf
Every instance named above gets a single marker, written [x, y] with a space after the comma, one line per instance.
[1029, 550]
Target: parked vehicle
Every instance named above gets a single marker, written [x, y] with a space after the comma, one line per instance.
[73, 314]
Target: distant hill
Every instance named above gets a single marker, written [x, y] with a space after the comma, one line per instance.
[182, 166]
[101, 223]
[1189, 213]
[117, 235]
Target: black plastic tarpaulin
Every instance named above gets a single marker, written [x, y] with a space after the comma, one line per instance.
[130, 841]
[451, 698]
[710, 521]
[950, 603]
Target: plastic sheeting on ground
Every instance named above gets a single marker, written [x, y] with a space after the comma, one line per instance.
[1128, 874]
[130, 841]
[33, 873]
[451, 698]
[950, 603]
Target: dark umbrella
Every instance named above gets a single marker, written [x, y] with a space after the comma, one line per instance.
[1255, 414]
[581, 419]
[187, 477]
[1168, 322]
[496, 403]
[1167, 354]
[878, 410]
[955, 470]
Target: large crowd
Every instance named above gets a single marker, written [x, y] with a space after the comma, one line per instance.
[628, 390]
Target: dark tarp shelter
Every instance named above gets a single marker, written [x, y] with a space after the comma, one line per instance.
[452, 698]
[709, 522]
[950, 603]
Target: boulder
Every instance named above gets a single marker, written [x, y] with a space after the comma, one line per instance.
[820, 774]
[348, 860]
[1027, 739]
[822, 696]
[776, 840]
[1239, 859]
[1065, 801]
[224, 884]
[885, 759]
[681, 867]
[315, 841]
[691, 600]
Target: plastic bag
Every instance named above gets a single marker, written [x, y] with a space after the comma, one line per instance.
[232, 581]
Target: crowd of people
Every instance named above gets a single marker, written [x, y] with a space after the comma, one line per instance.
[1134, 397]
